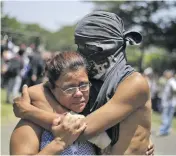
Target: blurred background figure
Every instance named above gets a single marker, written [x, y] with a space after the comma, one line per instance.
[161, 85]
[168, 102]
[35, 69]
[13, 74]
[4, 51]
[150, 76]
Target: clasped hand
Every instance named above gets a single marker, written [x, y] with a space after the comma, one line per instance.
[68, 128]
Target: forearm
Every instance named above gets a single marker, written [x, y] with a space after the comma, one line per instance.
[40, 117]
[105, 117]
[54, 148]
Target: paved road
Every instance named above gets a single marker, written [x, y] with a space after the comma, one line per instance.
[6, 131]
[163, 145]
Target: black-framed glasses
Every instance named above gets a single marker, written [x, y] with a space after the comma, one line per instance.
[72, 90]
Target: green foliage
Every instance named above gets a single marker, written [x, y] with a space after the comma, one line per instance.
[28, 33]
[157, 59]
[133, 55]
[62, 40]
[154, 57]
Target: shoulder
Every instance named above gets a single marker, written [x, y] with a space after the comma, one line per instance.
[134, 89]
[25, 138]
[138, 82]
[36, 92]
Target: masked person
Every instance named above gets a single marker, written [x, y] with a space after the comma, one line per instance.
[119, 98]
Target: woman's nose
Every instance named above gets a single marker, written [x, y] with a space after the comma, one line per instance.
[78, 93]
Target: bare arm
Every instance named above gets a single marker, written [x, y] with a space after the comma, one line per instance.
[33, 106]
[131, 94]
[25, 141]
[41, 117]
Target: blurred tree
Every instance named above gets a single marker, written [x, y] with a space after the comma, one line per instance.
[157, 58]
[62, 40]
[133, 55]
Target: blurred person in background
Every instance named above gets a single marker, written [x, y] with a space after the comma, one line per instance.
[161, 84]
[3, 65]
[168, 102]
[13, 73]
[150, 76]
[26, 67]
[35, 69]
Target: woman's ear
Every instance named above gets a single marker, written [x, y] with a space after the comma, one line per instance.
[133, 37]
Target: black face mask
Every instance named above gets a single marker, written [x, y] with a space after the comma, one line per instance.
[102, 58]
[98, 52]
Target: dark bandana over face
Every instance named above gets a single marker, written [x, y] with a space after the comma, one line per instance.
[101, 34]
[101, 39]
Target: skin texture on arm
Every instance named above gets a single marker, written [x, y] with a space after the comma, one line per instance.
[25, 141]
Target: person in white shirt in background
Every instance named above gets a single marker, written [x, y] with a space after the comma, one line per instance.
[168, 102]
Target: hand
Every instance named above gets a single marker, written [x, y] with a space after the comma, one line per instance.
[68, 128]
[150, 149]
[21, 105]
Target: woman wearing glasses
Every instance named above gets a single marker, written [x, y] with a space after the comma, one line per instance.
[67, 89]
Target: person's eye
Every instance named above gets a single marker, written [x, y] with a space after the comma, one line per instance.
[84, 87]
[70, 90]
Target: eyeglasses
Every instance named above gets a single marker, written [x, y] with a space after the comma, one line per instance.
[72, 90]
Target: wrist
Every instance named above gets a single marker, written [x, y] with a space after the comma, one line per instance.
[27, 113]
[60, 145]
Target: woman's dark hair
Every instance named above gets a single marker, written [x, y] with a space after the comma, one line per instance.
[61, 62]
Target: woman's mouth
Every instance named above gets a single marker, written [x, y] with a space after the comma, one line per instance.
[79, 103]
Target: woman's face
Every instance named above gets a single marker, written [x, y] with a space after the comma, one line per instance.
[66, 93]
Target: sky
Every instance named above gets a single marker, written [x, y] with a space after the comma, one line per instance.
[52, 15]
[48, 14]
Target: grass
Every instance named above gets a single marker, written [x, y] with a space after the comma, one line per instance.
[6, 109]
[7, 113]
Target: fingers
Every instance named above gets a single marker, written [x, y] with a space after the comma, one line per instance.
[25, 92]
[67, 121]
[150, 150]
[56, 121]
[15, 111]
[15, 102]
[82, 128]
[16, 99]
[73, 123]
